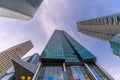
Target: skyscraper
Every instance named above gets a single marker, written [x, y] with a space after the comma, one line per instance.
[14, 52]
[19, 9]
[106, 28]
[64, 58]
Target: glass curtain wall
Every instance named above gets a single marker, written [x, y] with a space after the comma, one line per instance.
[79, 73]
[98, 73]
[50, 72]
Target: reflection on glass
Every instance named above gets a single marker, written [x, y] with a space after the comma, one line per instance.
[50, 72]
[79, 73]
[98, 73]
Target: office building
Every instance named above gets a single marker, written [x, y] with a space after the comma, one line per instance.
[17, 52]
[10, 73]
[19, 9]
[64, 58]
[106, 28]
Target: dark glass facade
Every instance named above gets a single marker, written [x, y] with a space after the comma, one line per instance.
[115, 45]
[24, 7]
[50, 72]
[34, 3]
[56, 51]
[64, 58]
[79, 49]
[62, 46]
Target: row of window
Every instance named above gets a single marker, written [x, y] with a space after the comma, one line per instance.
[98, 32]
[79, 73]
[55, 72]
[72, 60]
[54, 48]
[112, 20]
[98, 73]
[50, 72]
[6, 56]
[84, 53]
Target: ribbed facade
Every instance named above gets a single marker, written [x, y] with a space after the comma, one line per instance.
[106, 28]
[14, 52]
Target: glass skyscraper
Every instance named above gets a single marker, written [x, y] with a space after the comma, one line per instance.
[19, 9]
[64, 58]
[106, 28]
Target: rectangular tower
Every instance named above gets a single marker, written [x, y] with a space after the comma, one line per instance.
[106, 28]
[14, 52]
[64, 58]
[19, 9]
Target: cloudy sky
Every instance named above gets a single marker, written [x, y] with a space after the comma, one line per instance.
[63, 15]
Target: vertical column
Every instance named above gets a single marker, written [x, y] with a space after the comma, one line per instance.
[36, 72]
[65, 75]
[90, 71]
[64, 68]
[104, 71]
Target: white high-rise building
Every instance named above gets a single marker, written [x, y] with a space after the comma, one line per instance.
[106, 28]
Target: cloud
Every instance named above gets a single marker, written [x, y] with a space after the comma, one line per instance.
[63, 15]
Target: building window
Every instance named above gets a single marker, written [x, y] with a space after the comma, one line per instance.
[22, 78]
[118, 19]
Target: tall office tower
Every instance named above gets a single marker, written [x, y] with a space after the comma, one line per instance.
[105, 28]
[19, 9]
[10, 73]
[64, 58]
[14, 52]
